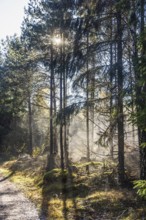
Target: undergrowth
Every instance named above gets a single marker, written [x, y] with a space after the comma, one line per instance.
[75, 194]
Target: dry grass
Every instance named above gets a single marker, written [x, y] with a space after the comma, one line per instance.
[66, 196]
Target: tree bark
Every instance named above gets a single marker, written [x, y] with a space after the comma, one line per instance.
[61, 107]
[30, 147]
[120, 101]
[143, 101]
[87, 110]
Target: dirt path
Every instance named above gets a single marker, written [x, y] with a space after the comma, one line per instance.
[13, 204]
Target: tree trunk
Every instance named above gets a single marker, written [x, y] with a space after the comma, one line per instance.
[61, 106]
[55, 132]
[51, 163]
[92, 107]
[30, 147]
[87, 110]
[143, 102]
[120, 101]
[51, 104]
[65, 122]
[111, 92]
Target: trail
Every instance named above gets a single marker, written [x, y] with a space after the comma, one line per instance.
[13, 204]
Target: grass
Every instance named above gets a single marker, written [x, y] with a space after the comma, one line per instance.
[72, 196]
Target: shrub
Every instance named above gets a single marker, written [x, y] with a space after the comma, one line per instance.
[140, 186]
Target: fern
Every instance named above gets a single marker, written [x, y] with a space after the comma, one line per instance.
[140, 186]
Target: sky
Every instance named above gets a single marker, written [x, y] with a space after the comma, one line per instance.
[11, 17]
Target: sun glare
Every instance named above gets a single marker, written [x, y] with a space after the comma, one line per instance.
[57, 40]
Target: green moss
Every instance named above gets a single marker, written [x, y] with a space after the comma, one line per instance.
[92, 163]
[55, 175]
[63, 194]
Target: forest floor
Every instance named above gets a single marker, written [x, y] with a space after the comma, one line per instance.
[74, 195]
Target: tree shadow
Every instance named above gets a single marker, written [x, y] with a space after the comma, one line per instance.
[45, 201]
[65, 189]
[7, 177]
[3, 213]
[50, 191]
[62, 188]
[68, 187]
[4, 158]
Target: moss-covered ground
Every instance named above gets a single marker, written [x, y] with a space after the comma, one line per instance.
[77, 194]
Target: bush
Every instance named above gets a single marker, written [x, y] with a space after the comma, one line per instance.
[140, 186]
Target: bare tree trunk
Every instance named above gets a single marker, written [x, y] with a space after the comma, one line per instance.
[92, 108]
[52, 155]
[61, 106]
[30, 147]
[87, 109]
[120, 101]
[64, 114]
[111, 91]
[143, 103]
[55, 132]
[51, 103]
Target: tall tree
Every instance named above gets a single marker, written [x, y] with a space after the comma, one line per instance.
[120, 98]
[142, 92]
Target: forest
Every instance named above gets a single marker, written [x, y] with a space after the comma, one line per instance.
[73, 107]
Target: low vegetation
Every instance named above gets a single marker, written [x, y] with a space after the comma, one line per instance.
[75, 194]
